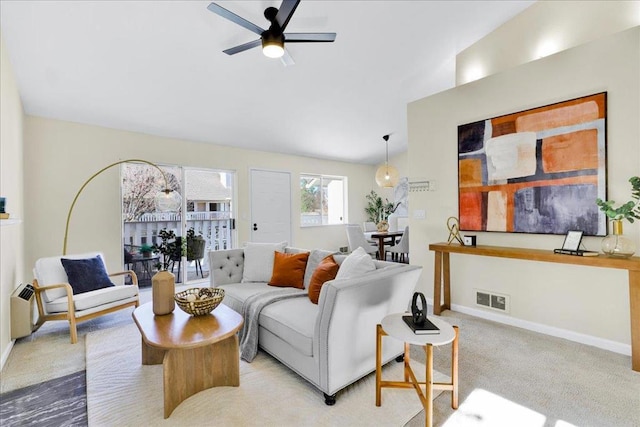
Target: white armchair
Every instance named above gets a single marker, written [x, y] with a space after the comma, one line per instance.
[356, 239]
[58, 299]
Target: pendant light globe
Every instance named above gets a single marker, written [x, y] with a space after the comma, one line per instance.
[387, 176]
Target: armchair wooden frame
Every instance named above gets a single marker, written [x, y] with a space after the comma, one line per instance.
[71, 316]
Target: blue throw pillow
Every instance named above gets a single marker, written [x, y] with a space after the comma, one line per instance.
[86, 275]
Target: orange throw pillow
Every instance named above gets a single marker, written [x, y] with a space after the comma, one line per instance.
[288, 270]
[327, 270]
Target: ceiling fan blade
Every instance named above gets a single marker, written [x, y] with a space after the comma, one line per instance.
[309, 37]
[286, 59]
[219, 10]
[285, 12]
[243, 47]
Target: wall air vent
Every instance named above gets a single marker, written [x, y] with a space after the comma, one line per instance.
[492, 300]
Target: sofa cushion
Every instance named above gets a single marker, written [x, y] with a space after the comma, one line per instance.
[356, 264]
[258, 261]
[315, 258]
[288, 270]
[87, 300]
[86, 275]
[293, 320]
[326, 271]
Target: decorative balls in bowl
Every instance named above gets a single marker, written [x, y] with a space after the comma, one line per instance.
[199, 301]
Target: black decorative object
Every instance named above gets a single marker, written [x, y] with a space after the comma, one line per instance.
[419, 314]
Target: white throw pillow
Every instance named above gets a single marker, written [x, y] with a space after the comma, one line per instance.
[356, 264]
[258, 261]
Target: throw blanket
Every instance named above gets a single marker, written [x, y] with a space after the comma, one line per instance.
[251, 311]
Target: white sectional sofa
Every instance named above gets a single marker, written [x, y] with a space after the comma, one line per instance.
[330, 344]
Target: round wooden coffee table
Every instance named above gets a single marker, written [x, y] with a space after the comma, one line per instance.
[196, 352]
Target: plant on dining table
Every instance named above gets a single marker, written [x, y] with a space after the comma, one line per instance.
[378, 210]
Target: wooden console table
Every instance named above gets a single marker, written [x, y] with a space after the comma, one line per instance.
[442, 277]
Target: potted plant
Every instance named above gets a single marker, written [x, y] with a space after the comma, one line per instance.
[616, 244]
[378, 211]
[145, 250]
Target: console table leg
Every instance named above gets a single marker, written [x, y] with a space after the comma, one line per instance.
[634, 309]
[437, 283]
[447, 281]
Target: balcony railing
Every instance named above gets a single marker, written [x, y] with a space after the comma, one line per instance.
[215, 228]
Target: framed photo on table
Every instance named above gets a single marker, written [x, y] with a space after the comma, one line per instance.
[572, 240]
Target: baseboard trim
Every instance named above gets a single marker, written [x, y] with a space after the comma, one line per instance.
[602, 343]
[5, 355]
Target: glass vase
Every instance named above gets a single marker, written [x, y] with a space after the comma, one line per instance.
[617, 244]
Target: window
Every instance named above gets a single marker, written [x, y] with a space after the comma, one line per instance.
[322, 200]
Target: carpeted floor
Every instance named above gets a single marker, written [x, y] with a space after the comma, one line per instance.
[508, 376]
[122, 392]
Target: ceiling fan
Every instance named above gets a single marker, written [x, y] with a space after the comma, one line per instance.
[272, 40]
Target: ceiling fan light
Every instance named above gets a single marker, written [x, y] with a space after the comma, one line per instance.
[272, 46]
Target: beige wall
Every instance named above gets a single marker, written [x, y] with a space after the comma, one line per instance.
[583, 303]
[11, 236]
[62, 155]
[544, 28]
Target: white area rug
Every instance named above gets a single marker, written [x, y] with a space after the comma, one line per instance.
[122, 392]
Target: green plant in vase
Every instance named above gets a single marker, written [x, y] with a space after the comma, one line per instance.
[378, 211]
[617, 244]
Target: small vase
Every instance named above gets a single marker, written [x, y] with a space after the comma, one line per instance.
[163, 289]
[617, 244]
[383, 226]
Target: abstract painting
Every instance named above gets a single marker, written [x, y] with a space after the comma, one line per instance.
[535, 171]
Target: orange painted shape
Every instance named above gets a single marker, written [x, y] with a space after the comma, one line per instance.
[471, 211]
[502, 124]
[502, 127]
[570, 152]
[562, 116]
[470, 172]
[497, 211]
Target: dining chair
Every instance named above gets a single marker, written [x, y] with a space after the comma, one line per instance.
[356, 239]
[369, 227]
[401, 248]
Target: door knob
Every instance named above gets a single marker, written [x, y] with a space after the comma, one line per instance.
[255, 226]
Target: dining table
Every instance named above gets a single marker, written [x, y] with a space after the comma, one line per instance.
[384, 237]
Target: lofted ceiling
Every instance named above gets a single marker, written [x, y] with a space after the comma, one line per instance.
[158, 68]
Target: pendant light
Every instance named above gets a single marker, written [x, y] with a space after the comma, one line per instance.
[387, 176]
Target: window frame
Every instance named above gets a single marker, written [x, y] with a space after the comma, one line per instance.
[323, 217]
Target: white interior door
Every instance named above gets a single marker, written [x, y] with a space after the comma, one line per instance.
[270, 206]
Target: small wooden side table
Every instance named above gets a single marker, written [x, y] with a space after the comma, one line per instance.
[197, 352]
[393, 326]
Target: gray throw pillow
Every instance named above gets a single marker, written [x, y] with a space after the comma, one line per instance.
[316, 256]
